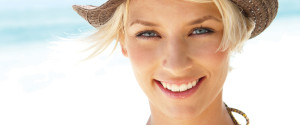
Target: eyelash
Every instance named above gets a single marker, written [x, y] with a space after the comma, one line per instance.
[208, 30]
[142, 34]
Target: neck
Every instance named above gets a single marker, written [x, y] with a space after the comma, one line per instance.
[215, 114]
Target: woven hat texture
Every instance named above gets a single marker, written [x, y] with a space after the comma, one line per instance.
[262, 12]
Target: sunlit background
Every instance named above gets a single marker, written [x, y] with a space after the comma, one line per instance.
[43, 81]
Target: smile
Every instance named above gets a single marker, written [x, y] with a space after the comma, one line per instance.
[179, 90]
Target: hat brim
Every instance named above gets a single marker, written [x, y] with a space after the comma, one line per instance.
[98, 16]
[262, 12]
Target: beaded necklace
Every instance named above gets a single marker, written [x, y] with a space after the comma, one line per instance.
[230, 110]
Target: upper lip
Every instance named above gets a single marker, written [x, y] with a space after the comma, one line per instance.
[178, 81]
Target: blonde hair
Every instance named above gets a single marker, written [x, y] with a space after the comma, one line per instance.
[237, 28]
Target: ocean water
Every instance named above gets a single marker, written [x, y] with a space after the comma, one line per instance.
[45, 83]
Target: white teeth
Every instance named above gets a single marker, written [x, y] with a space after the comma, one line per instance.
[169, 86]
[194, 83]
[164, 84]
[181, 88]
[189, 85]
[175, 88]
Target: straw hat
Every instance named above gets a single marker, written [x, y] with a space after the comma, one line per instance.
[262, 12]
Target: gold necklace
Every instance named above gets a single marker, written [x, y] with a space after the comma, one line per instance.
[230, 110]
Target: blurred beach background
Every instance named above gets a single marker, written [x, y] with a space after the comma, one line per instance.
[43, 81]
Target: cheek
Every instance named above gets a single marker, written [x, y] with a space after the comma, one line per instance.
[140, 57]
[215, 59]
[214, 62]
[217, 67]
[217, 62]
[207, 53]
[206, 48]
[144, 62]
[144, 59]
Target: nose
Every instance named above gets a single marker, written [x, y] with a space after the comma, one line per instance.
[176, 60]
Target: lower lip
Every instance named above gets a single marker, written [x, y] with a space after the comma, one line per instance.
[179, 95]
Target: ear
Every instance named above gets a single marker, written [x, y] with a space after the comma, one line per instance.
[124, 50]
[122, 43]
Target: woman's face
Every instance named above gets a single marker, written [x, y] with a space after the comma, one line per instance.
[172, 46]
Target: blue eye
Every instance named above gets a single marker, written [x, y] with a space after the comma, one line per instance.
[199, 31]
[148, 34]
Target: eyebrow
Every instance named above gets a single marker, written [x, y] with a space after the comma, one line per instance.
[145, 23]
[197, 21]
[203, 19]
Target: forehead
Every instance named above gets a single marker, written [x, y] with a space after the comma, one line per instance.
[161, 10]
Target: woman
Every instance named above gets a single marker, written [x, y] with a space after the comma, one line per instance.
[180, 50]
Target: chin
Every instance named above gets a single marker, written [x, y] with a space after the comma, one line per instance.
[183, 112]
